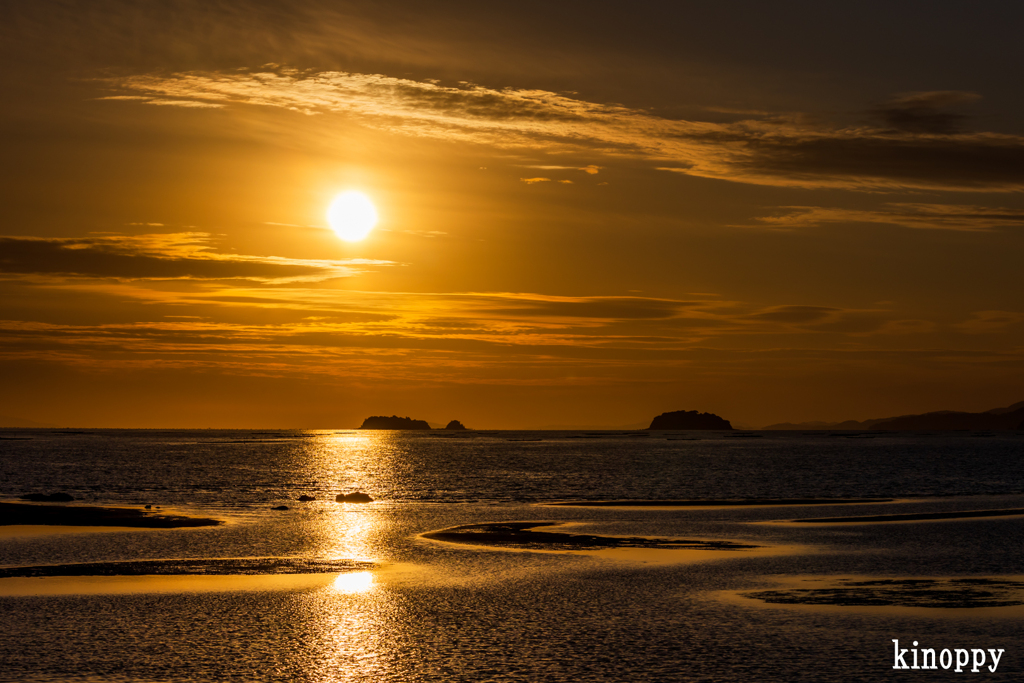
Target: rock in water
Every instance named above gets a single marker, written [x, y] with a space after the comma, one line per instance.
[280, 507]
[455, 424]
[393, 422]
[305, 499]
[355, 497]
[689, 419]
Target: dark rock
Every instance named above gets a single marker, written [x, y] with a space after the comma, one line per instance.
[355, 497]
[689, 419]
[393, 422]
[48, 498]
[305, 499]
[455, 424]
[280, 507]
[149, 507]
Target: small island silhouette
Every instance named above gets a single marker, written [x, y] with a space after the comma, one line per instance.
[689, 419]
[393, 422]
[455, 424]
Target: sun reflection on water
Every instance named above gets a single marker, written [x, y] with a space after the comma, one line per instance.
[354, 582]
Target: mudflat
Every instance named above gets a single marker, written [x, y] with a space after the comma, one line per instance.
[82, 515]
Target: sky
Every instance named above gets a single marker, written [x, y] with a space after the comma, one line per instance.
[589, 213]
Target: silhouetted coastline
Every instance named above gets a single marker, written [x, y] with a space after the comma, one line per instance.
[1010, 417]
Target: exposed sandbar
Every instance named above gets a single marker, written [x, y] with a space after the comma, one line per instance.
[80, 515]
[520, 535]
[120, 585]
[744, 502]
[912, 516]
[236, 566]
[950, 593]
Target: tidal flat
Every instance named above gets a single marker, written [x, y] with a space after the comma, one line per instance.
[328, 591]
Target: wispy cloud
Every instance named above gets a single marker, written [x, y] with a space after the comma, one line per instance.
[590, 169]
[170, 256]
[915, 148]
[310, 329]
[165, 102]
[910, 215]
[534, 181]
[927, 112]
[987, 322]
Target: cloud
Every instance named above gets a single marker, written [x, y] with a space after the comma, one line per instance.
[534, 181]
[986, 322]
[795, 314]
[916, 148]
[609, 307]
[962, 217]
[589, 170]
[164, 102]
[316, 331]
[171, 256]
[925, 112]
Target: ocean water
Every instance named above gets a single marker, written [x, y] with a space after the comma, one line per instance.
[412, 609]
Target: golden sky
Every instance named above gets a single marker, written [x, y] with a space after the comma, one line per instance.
[589, 214]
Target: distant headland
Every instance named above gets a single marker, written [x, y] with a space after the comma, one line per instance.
[393, 422]
[689, 419]
[1010, 417]
[455, 424]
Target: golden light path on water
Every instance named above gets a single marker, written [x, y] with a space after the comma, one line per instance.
[354, 582]
[352, 615]
[353, 461]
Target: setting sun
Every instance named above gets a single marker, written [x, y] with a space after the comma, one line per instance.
[352, 216]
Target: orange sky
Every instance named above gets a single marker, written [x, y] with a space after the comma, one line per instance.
[587, 217]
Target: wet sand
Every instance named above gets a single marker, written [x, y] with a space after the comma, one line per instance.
[110, 585]
[233, 566]
[743, 502]
[520, 536]
[21, 531]
[912, 517]
[19, 514]
[909, 592]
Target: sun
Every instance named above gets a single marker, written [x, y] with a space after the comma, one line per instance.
[352, 215]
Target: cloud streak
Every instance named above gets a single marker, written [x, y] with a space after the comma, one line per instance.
[920, 150]
[964, 218]
[926, 112]
[172, 256]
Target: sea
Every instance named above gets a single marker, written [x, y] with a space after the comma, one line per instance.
[356, 592]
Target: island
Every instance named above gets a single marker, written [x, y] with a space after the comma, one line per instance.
[689, 419]
[455, 424]
[393, 422]
[1010, 417]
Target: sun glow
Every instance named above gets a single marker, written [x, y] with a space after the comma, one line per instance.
[354, 582]
[352, 216]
